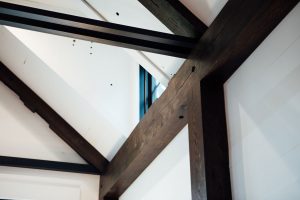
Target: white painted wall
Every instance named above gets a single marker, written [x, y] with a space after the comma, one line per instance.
[263, 113]
[27, 135]
[133, 13]
[28, 184]
[167, 177]
[35, 140]
[90, 69]
[205, 10]
[72, 7]
[24, 134]
[80, 92]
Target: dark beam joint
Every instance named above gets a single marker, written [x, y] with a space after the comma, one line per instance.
[55, 121]
[48, 165]
[93, 30]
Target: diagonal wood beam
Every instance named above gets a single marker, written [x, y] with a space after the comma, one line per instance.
[234, 35]
[55, 121]
[175, 16]
[47, 165]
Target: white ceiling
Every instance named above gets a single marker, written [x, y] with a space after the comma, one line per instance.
[75, 78]
[23, 133]
[132, 13]
[205, 10]
[76, 86]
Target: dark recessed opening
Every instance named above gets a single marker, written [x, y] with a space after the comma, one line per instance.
[193, 68]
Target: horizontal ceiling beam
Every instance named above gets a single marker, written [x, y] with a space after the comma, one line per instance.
[95, 31]
[176, 17]
[237, 31]
[56, 123]
[48, 165]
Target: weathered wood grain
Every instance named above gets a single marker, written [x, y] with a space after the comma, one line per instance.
[237, 31]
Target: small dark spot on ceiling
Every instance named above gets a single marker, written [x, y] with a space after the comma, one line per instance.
[118, 14]
[111, 84]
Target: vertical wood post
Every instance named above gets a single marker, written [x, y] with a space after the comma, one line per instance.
[209, 160]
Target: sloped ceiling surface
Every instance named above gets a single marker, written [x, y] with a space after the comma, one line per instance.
[72, 102]
[94, 87]
[31, 130]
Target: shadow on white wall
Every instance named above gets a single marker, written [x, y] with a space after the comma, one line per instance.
[263, 114]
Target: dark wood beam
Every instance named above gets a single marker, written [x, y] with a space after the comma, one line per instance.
[175, 16]
[48, 165]
[93, 30]
[196, 145]
[208, 143]
[55, 121]
[234, 35]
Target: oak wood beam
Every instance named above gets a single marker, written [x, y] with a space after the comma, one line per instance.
[64, 130]
[94, 30]
[237, 31]
[175, 16]
[47, 165]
